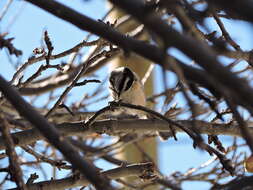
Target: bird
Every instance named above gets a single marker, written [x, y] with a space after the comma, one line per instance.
[126, 86]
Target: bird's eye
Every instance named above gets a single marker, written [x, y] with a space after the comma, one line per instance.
[111, 79]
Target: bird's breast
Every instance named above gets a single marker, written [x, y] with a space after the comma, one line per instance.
[134, 95]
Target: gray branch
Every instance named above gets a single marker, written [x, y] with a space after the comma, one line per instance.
[114, 127]
[74, 181]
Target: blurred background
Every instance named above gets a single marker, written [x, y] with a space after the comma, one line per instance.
[27, 23]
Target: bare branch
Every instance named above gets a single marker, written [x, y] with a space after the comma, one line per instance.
[14, 167]
[7, 43]
[33, 60]
[83, 83]
[5, 9]
[200, 52]
[74, 181]
[49, 46]
[53, 136]
[114, 127]
[84, 68]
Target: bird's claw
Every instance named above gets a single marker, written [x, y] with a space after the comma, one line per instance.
[114, 104]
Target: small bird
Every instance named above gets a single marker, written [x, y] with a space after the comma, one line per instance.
[126, 86]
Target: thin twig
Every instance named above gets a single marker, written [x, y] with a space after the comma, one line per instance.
[33, 60]
[54, 163]
[67, 108]
[7, 43]
[197, 141]
[138, 169]
[14, 167]
[5, 9]
[84, 82]
[78, 76]
[53, 136]
[38, 73]
[225, 33]
[242, 124]
[49, 45]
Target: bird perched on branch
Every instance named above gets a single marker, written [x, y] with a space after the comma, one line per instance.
[126, 86]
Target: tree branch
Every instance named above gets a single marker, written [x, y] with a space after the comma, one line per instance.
[7, 43]
[74, 181]
[241, 8]
[53, 136]
[115, 127]
[45, 85]
[245, 182]
[14, 167]
[197, 51]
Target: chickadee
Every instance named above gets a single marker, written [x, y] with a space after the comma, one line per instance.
[126, 86]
